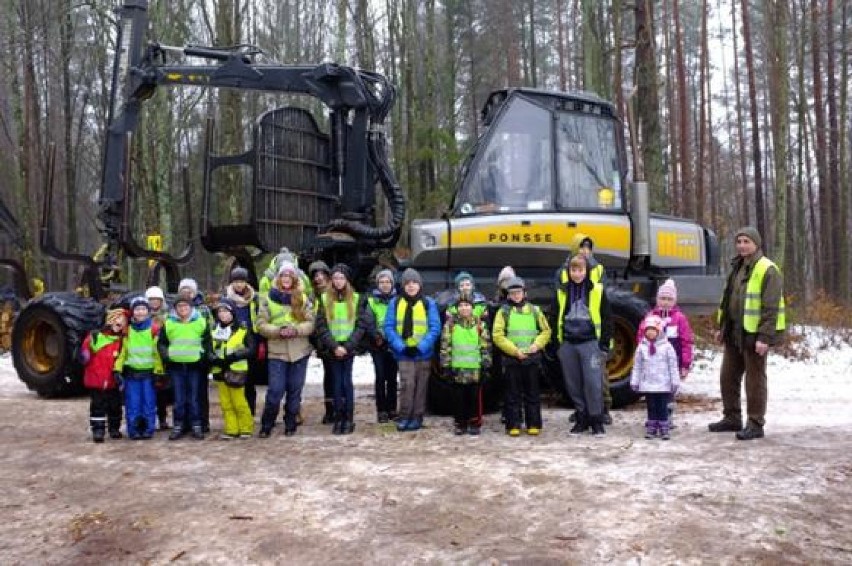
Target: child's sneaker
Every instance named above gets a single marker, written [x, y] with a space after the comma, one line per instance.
[98, 435]
[514, 432]
[402, 425]
[533, 431]
[225, 436]
[245, 436]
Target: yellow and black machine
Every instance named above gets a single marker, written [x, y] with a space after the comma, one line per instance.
[549, 166]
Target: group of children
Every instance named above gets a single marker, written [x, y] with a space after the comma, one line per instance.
[146, 351]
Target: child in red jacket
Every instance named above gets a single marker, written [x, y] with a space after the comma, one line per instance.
[98, 353]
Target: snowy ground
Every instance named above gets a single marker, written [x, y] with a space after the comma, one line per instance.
[429, 497]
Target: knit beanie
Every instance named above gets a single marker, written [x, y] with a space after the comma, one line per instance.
[287, 267]
[342, 268]
[751, 233]
[654, 321]
[411, 274]
[239, 274]
[190, 284]
[462, 276]
[384, 273]
[667, 290]
[318, 266]
[515, 283]
[505, 274]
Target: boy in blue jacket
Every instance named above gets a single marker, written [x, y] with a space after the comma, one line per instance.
[412, 328]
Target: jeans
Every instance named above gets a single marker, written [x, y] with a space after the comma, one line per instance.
[386, 370]
[187, 380]
[140, 402]
[344, 393]
[284, 378]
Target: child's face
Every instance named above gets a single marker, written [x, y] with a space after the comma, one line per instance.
[225, 316]
[665, 303]
[185, 293]
[338, 281]
[320, 280]
[651, 333]
[287, 280]
[585, 251]
[465, 310]
[155, 303]
[140, 313]
[385, 285]
[239, 285]
[465, 285]
[577, 273]
[516, 295]
[183, 309]
[117, 327]
[412, 288]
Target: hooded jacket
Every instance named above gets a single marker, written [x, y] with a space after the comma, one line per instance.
[655, 373]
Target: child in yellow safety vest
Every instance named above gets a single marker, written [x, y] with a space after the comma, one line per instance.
[384, 364]
[233, 346]
[521, 332]
[342, 320]
[466, 359]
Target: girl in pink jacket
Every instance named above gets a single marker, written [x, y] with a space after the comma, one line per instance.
[677, 326]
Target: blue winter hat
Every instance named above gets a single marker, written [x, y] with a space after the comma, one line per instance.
[462, 276]
[139, 302]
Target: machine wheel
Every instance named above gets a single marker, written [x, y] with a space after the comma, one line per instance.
[628, 310]
[46, 337]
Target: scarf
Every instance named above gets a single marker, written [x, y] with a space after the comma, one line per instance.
[222, 333]
[652, 347]
[279, 296]
[144, 325]
[241, 299]
[519, 306]
[408, 317]
[384, 297]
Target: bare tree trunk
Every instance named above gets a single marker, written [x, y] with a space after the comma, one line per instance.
[842, 149]
[648, 104]
[560, 43]
[687, 196]
[701, 162]
[777, 19]
[533, 62]
[833, 153]
[755, 128]
[746, 218]
[825, 204]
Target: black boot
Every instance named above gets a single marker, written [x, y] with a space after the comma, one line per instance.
[348, 424]
[750, 432]
[267, 422]
[581, 423]
[115, 433]
[727, 424]
[339, 422]
[198, 432]
[328, 417]
[290, 425]
[114, 427]
[177, 431]
[597, 424]
[98, 430]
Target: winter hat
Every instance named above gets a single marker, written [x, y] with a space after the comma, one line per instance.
[154, 293]
[751, 233]
[114, 316]
[462, 276]
[515, 283]
[284, 254]
[318, 266]
[180, 300]
[190, 284]
[505, 274]
[226, 304]
[411, 274]
[287, 267]
[654, 321]
[384, 273]
[667, 290]
[581, 240]
[239, 274]
[139, 302]
[342, 268]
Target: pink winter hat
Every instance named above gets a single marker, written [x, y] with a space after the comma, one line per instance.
[667, 290]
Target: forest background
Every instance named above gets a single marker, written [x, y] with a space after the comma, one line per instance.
[741, 107]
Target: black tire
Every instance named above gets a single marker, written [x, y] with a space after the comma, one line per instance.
[46, 338]
[628, 310]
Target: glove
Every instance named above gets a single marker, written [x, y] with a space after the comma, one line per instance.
[411, 351]
[119, 380]
[289, 332]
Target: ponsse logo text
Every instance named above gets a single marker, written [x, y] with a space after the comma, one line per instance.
[517, 238]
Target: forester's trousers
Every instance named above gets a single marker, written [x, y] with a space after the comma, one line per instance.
[735, 363]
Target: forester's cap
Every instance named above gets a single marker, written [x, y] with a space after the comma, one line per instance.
[751, 233]
[227, 304]
[465, 298]
[139, 302]
[411, 274]
[239, 274]
[463, 275]
[190, 284]
[154, 293]
[318, 266]
[515, 283]
[654, 321]
[668, 290]
[114, 316]
[287, 268]
[384, 273]
[505, 274]
[342, 268]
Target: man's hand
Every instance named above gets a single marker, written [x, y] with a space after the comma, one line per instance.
[761, 348]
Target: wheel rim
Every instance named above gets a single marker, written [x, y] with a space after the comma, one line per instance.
[624, 346]
[42, 346]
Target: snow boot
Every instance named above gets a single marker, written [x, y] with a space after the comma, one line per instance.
[98, 430]
[115, 434]
[177, 432]
[727, 424]
[581, 423]
[665, 430]
[597, 425]
[750, 432]
[348, 426]
[650, 429]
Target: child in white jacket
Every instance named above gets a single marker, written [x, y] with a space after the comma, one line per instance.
[655, 373]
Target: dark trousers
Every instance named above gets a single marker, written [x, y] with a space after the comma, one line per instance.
[255, 368]
[165, 397]
[328, 386]
[344, 391]
[105, 409]
[204, 398]
[186, 379]
[658, 406]
[285, 378]
[522, 392]
[734, 364]
[468, 409]
[386, 369]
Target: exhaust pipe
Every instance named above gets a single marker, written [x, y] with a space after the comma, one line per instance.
[641, 218]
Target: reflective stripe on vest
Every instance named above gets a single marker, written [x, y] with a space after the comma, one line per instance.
[279, 315]
[232, 344]
[465, 343]
[419, 320]
[185, 339]
[594, 308]
[522, 327]
[752, 306]
[140, 349]
[340, 325]
[379, 308]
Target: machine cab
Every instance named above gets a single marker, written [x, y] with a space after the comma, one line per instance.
[548, 152]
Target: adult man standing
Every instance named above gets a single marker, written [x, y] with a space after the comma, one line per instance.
[751, 319]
